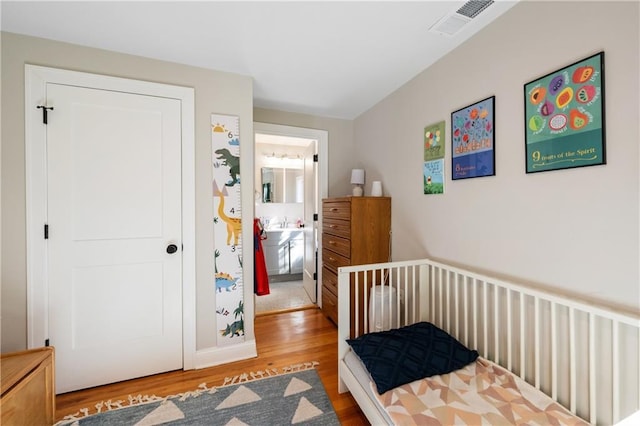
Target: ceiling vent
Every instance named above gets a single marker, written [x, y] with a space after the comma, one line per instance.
[452, 23]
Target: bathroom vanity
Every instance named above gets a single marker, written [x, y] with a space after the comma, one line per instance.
[284, 254]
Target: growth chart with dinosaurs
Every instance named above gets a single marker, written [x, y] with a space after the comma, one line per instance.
[227, 225]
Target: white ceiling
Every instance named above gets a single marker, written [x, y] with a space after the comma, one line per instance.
[327, 58]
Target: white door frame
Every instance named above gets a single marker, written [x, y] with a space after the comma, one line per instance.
[322, 136]
[36, 79]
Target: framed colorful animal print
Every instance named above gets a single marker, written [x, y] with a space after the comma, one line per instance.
[473, 140]
[564, 117]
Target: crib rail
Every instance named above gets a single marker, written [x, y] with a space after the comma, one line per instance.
[584, 356]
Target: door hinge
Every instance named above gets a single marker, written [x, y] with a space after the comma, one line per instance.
[46, 342]
[44, 112]
[46, 231]
[315, 217]
[315, 158]
[315, 276]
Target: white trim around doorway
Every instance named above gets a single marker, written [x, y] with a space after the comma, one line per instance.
[322, 136]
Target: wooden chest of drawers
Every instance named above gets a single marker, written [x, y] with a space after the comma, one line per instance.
[28, 396]
[355, 231]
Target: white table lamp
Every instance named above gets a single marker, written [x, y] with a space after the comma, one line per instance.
[357, 179]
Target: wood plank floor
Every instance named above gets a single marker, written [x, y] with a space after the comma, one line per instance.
[282, 339]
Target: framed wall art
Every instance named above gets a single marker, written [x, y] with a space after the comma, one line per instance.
[473, 140]
[433, 167]
[564, 117]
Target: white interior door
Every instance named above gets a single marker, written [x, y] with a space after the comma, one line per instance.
[310, 232]
[113, 208]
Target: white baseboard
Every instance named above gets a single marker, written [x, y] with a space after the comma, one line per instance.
[226, 354]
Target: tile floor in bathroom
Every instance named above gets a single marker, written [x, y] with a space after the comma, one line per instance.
[284, 295]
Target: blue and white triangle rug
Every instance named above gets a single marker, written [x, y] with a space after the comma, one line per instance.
[294, 397]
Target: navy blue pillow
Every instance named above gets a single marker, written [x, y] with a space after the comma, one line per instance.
[410, 353]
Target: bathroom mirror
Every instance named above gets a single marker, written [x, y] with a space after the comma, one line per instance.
[282, 185]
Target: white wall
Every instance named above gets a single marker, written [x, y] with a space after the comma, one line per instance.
[572, 229]
[215, 92]
[0, 185]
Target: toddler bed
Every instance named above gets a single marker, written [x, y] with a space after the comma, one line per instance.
[491, 351]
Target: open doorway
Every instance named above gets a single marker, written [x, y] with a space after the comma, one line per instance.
[290, 180]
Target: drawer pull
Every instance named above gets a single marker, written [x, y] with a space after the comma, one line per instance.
[331, 259]
[334, 209]
[332, 226]
[332, 242]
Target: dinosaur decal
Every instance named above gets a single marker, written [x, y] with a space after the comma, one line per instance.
[225, 282]
[236, 327]
[228, 290]
[233, 329]
[234, 224]
[232, 162]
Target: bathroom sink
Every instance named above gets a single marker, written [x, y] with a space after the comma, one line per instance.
[279, 227]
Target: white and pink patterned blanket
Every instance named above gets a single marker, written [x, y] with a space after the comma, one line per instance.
[482, 393]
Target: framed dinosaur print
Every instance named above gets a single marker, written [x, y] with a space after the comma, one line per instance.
[564, 117]
[227, 228]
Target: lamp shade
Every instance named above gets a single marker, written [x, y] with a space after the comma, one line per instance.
[357, 176]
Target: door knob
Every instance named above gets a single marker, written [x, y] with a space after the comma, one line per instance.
[172, 248]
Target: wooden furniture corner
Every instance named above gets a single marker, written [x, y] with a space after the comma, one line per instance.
[28, 387]
[355, 231]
